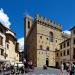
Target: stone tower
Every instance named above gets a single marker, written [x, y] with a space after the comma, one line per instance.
[27, 24]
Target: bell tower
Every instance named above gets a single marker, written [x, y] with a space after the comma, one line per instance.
[27, 27]
[27, 24]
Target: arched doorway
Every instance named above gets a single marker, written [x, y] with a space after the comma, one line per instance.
[47, 61]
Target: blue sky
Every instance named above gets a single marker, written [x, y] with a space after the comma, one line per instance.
[62, 11]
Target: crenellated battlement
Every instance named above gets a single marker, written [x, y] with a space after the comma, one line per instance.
[47, 22]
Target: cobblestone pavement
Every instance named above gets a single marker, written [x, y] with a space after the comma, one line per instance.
[40, 71]
[49, 71]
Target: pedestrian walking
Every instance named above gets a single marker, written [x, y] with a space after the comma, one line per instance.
[68, 69]
[31, 67]
[62, 69]
[26, 67]
[30, 64]
[72, 72]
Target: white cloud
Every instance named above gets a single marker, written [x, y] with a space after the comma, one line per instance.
[4, 19]
[67, 32]
[21, 43]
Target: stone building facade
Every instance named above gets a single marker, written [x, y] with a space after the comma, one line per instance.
[8, 46]
[67, 49]
[2, 42]
[12, 47]
[42, 39]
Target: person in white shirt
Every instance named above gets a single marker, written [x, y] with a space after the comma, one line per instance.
[62, 68]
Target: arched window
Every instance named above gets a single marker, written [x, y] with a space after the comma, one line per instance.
[51, 36]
